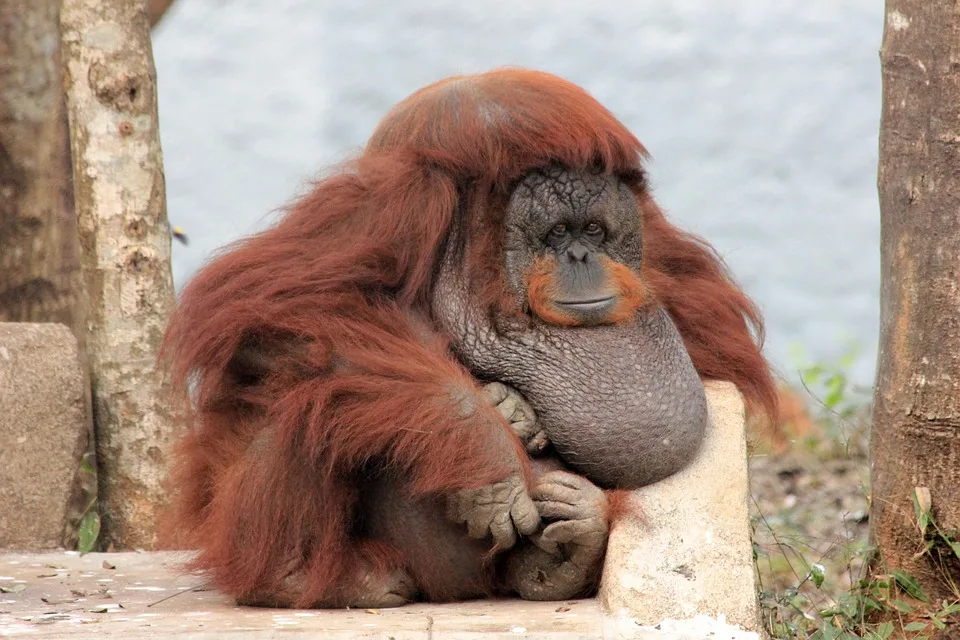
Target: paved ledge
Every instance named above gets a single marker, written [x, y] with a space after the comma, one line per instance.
[64, 595]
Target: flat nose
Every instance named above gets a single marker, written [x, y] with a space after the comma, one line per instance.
[577, 252]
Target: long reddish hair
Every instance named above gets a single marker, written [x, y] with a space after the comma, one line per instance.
[348, 271]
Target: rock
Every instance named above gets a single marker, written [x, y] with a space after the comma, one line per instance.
[42, 432]
[684, 548]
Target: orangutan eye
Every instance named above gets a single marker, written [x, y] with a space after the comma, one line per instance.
[556, 236]
[592, 229]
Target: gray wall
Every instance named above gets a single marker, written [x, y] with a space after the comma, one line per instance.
[761, 116]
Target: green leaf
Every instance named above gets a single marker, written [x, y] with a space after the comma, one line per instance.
[816, 573]
[812, 374]
[949, 609]
[869, 604]
[848, 359]
[909, 584]
[954, 546]
[89, 531]
[835, 386]
[826, 632]
[882, 632]
[915, 626]
[901, 606]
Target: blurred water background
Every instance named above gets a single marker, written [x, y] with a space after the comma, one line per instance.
[761, 117]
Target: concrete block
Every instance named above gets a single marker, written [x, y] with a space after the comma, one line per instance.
[42, 432]
[684, 549]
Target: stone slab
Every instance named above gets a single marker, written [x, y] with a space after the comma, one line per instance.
[685, 548]
[108, 596]
[42, 432]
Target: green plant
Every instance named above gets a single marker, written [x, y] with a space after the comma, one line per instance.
[88, 530]
[842, 407]
[882, 605]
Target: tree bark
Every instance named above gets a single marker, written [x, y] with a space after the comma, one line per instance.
[39, 251]
[916, 424]
[109, 78]
[156, 9]
[40, 277]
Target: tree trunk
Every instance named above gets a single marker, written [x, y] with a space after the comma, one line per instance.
[156, 9]
[916, 424]
[39, 252]
[109, 79]
[40, 277]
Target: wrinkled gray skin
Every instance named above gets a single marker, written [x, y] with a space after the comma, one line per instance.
[621, 404]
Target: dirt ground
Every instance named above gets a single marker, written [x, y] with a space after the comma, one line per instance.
[809, 511]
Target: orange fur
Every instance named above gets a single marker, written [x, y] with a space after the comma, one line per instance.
[629, 286]
[795, 423]
[721, 327]
[542, 292]
[267, 474]
[618, 504]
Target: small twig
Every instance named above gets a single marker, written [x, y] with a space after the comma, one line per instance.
[174, 595]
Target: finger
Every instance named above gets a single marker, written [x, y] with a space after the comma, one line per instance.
[521, 419]
[562, 532]
[504, 535]
[566, 479]
[508, 408]
[538, 443]
[524, 408]
[553, 510]
[547, 545]
[495, 392]
[552, 492]
[528, 411]
[525, 515]
[575, 531]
